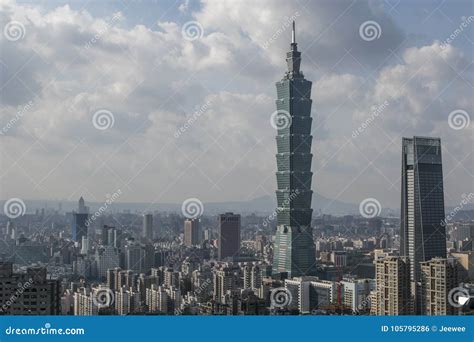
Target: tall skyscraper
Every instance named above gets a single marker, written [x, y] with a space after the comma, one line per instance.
[393, 296]
[148, 226]
[192, 234]
[294, 247]
[79, 226]
[79, 222]
[422, 234]
[81, 208]
[229, 236]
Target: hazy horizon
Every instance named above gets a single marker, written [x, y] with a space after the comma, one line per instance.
[186, 94]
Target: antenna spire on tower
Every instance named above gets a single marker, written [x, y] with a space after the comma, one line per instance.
[293, 34]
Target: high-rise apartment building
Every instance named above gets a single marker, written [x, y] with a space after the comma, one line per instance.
[393, 295]
[223, 281]
[438, 277]
[294, 247]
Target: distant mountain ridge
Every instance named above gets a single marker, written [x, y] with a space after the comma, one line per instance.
[260, 205]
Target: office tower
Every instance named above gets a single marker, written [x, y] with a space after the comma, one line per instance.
[462, 232]
[148, 226]
[422, 233]
[294, 248]
[81, 208]
[438, 277]
[224, 281]
[110, 236]
[106, 257]
[79, 226]
[297, 294]
[192, 234]
[322, 293]
[339, 258]
[229, 236]
[29, 293]
[393, 296]
[134, 257]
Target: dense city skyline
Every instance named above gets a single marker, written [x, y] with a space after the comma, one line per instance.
[298, 260]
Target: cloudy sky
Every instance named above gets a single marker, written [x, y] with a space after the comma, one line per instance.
[168, 100]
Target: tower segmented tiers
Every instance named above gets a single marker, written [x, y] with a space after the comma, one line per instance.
[294, 247]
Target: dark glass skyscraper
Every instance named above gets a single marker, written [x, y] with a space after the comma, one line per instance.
[294, 247]
[79, 226]
[422, 233]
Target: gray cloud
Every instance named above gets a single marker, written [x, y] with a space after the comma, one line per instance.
[154, 81]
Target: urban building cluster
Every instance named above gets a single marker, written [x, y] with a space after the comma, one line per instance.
[289, 263]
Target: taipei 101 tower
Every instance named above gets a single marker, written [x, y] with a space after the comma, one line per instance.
[294, 253]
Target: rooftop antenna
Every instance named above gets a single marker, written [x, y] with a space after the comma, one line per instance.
[293, 34]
